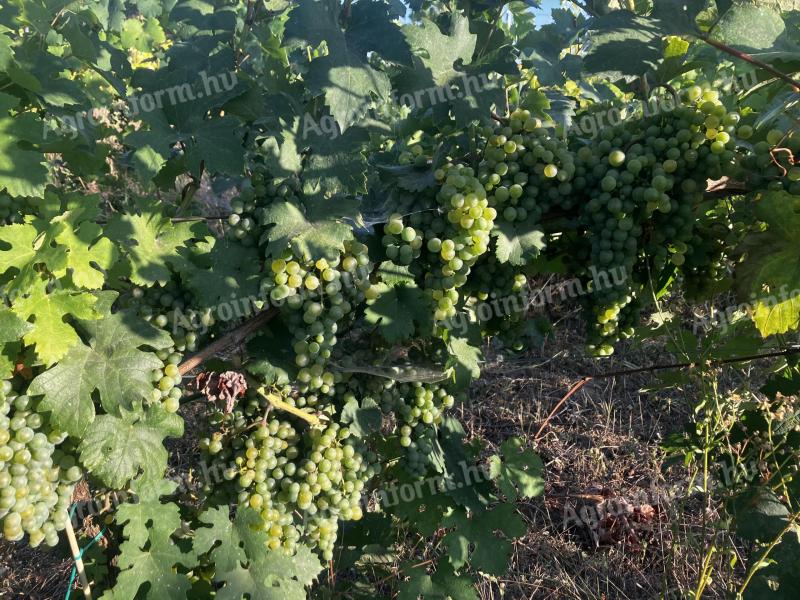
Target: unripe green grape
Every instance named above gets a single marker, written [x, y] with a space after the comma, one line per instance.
[774, 137]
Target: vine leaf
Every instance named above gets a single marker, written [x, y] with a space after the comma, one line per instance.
[112, 364]
[393, 274]
[115, 449]
[149, 555]
[22, 171]
[221, 272]
[779, 571]
[363, 420]
[310, 239]
[372, 28]
[465, 358]
[51, 336]
[336, 164]
[397, 310]
[30, 245]
[12, 328]
[758, 514]
[151, 243]
[342, 75]
[270, 359]
[441, 52]
[771, 272]
[86, 249]
[490, 554]
[512, 469]
[442, 585]
[243, 564]
[623, 45]
[750, 27]
[517, 247]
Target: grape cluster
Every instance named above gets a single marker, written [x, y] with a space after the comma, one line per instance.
[469, 220]
[256, 194]
[318, 295]
[36, 479]
[643, 181]
[526, 170]
[159, 305]
[418, 409]
[775, 160]
[301, 482]
[402, 243]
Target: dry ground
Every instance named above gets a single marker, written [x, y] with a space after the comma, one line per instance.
[602, 446]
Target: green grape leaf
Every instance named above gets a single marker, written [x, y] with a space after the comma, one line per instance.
[151, 242]
[222, 272]
[623, 45]
[23, 172]
[342, 75]
[271, 359]
[465, 358]
[749, 27]
[467, 482]
[490, 554]
[147, 162]
[372, 28]
[512, 470]
[112, 364]
[758, 514]
[281, 155]
[392, 274]
[311, 239]
[363, 420]
[30, 245]
[149, 557]
[336, 164]
[442, 585]
[245, 566]
[86, 249]
[517, 244]
[771, 272]
[12, 328]
[218, 144]
[396, 311]
[50, 335]
[115, 449]
[678, 17]
[441, 52]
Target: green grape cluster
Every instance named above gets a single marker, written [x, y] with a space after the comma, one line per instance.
[302, 482]
[158, 305]
[318, 295]
[469, 221]
[644, 180]
[416, 150]
[775, 160]
[402, 243]
[256, 194]
[418, 408]
[491, 283]
[36, 479]
[526, 170]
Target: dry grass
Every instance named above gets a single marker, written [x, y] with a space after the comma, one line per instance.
[603, 444]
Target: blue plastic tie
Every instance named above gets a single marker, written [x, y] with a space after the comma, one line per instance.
[80, 555]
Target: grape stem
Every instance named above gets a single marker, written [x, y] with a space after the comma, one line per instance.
[278, 403]
[753, 61]
[232, 338]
